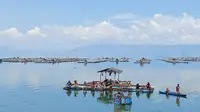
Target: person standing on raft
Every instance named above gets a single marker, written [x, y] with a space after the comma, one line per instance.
[178, 89]
[148, 86]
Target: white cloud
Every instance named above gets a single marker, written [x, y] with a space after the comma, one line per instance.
[158, 29]
[124, 16]
[36, 32]
[11, 32]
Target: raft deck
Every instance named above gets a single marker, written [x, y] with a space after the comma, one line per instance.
[128, 89]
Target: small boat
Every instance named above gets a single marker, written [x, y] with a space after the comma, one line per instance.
[174, 61]
[143, 61]
[120, 99]
[173, 94]
[142, 90]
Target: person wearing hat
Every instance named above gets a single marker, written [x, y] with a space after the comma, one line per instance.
[137, 86]
[69, 84]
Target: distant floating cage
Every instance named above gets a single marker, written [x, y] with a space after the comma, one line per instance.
[143, 61]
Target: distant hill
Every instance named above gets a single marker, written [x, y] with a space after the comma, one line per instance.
[136, 51]
[8, 52]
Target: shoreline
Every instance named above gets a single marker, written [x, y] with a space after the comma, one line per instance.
[92, 60]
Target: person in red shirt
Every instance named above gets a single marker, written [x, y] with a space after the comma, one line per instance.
[101, 83]
[148, 86]
[93, 84]
[178, 89]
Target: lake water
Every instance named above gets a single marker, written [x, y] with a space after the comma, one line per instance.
[38, 87]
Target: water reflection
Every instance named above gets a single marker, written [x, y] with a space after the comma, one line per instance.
[93, 93]
[75, 93]
[137, 94]
[69, 92]
[17, 80]
[85, 64]
[177, 99]
[105, 97]
[84, 93]
[148, 95]
[117, 62]
[142, 64]
[122, 108]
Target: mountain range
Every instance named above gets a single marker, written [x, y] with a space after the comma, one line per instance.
[136, 51]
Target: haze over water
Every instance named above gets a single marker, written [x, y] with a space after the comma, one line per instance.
[38, 87]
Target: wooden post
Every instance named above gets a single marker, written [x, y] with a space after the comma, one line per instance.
[100, 76]
[105, 75]
[114, 75]
[118, 76]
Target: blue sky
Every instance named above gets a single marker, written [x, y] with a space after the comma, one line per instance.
[73, 23]
[26, 13]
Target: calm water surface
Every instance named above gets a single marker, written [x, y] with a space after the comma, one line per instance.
[38, 87]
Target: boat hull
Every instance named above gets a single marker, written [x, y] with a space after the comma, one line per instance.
[109, 89]
[142, 90]
[173, 94]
